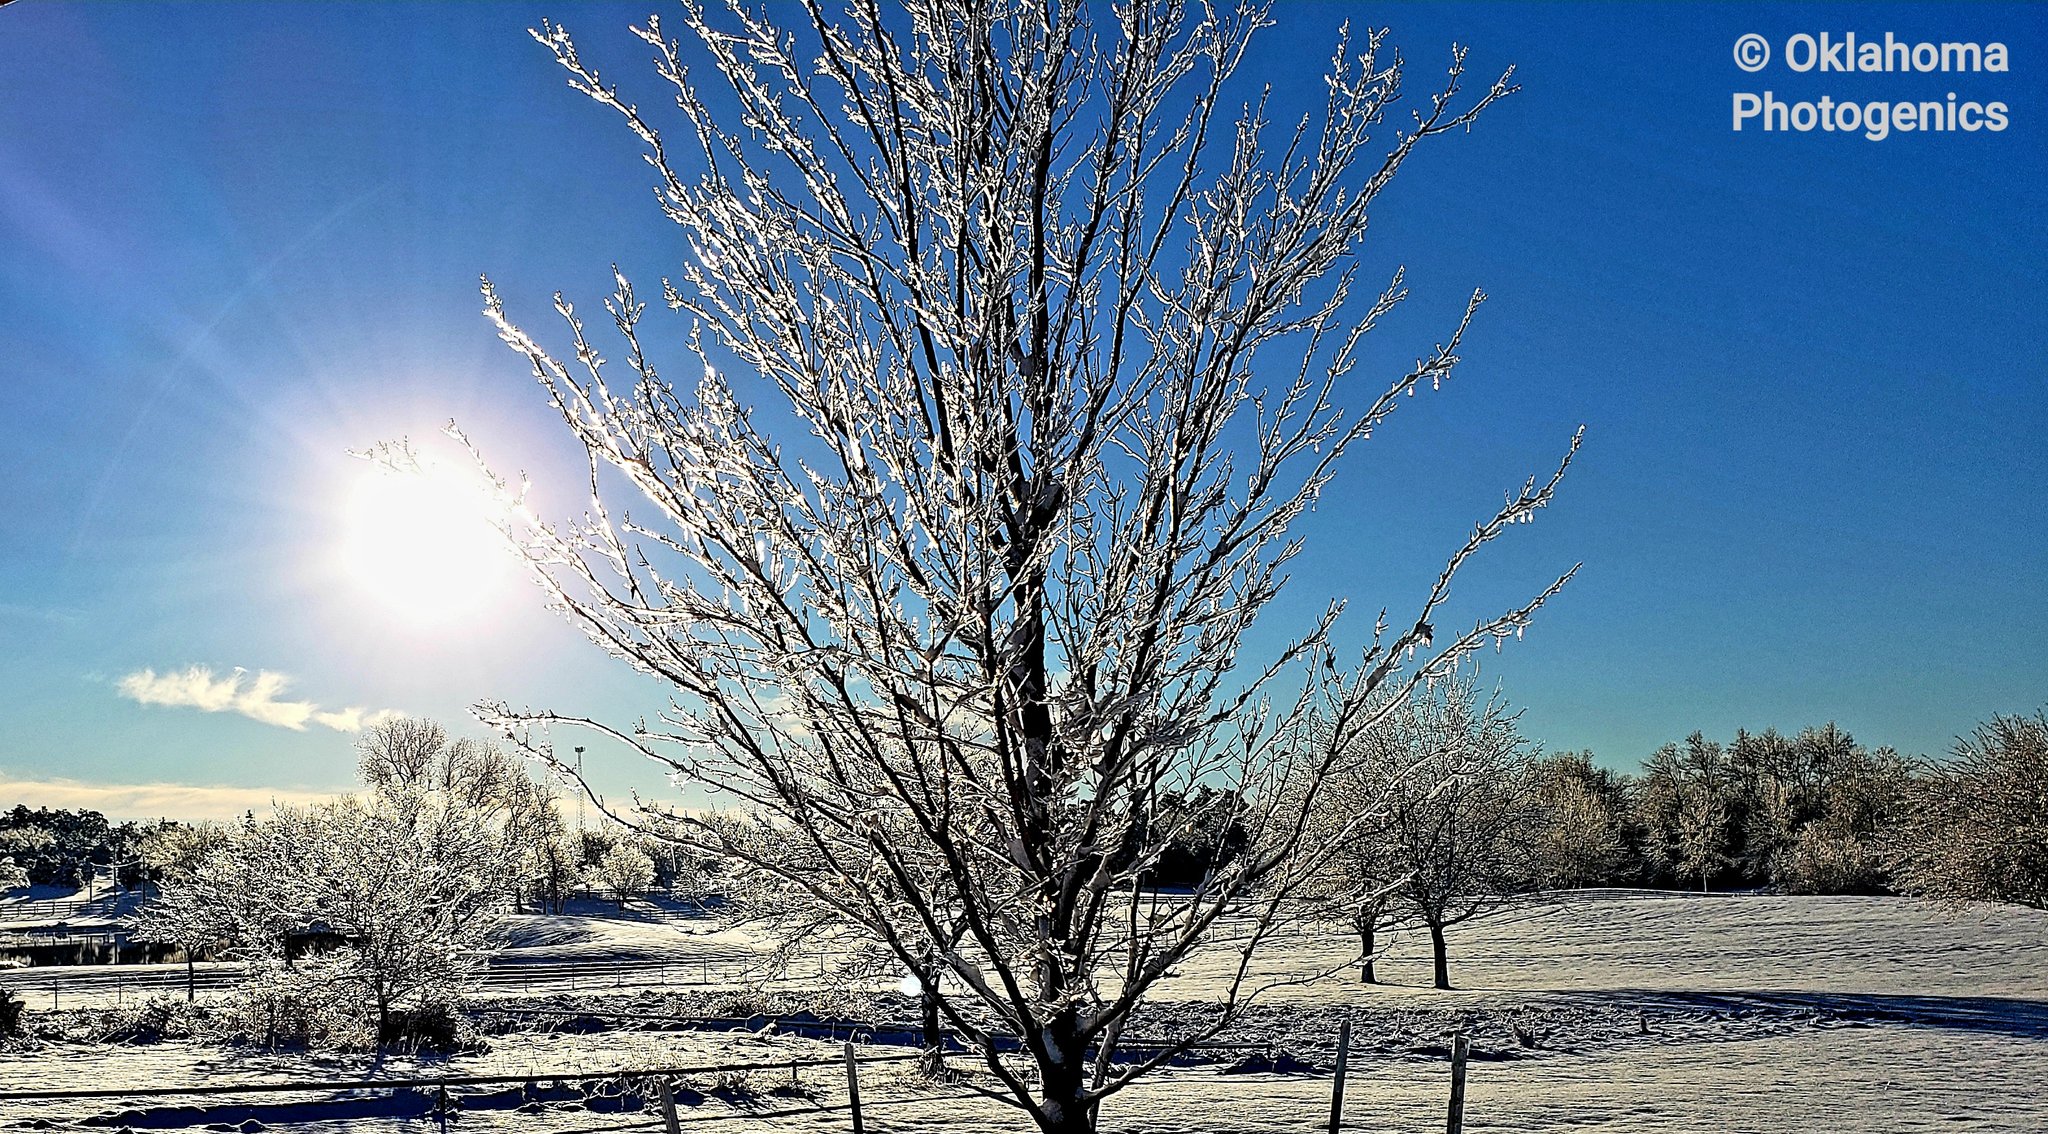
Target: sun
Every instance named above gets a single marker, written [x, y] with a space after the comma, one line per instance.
[420, 544]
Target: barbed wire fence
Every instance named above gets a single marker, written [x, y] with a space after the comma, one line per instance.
[636, 1090]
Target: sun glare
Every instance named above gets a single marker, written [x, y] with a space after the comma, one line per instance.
[420, 544]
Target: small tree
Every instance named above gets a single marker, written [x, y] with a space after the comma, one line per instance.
[1358, 877]
[549, 856]
[1976, 828]
[416, 906]
[412, 889]
[1058, 353]
[1452, 812]
[625, 870]
[191, 912]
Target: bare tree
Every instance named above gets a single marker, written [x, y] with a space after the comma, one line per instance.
[413, 757]
[1976, 829]
[1451, 814]
[1062, 351]
[547, 856]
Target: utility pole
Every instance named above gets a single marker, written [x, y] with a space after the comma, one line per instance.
[582, 792]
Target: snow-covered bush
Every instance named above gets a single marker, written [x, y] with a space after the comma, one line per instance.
[300, 1005]
[1977, 827]
[1827, 858]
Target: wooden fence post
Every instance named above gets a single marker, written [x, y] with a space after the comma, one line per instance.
[668, 1105]
[853, 1088]
[1337, 1085]
[1460, 1047]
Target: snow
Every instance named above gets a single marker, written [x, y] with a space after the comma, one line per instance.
[1694, 943]
[98, 907]
[593, 931]
[1763, 1014]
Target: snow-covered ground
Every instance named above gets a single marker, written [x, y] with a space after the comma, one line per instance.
[1694, 1015]
[599, 931]
[98, 906]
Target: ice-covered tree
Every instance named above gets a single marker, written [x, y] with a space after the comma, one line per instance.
[548, 855]
[625, 870]
[1863, 796]
[172, 851]
[1580, 837]
[411, 757]
[1976, 828]
[194, 918]
[416, 907]
[413, 889]
[1024, 353]
[1684, 803]
[1448, 817]
[416, 770]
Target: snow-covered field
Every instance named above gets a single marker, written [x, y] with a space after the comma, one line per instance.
[1719, 1014]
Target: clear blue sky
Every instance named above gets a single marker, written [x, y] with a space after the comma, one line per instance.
[237, 241]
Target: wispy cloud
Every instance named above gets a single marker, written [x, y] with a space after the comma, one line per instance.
[258, 696]
[26, 612]
[150, 801]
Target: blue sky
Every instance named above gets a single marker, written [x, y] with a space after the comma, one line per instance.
[238, 241]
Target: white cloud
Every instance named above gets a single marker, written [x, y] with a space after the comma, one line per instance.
[150, 801]
[258, 696]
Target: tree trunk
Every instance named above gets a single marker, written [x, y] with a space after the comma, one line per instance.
[1443, 964]
[1366, 922]
[191, 993]
[934, 1061]
[1061, 1082]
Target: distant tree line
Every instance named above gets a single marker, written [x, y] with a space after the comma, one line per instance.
[1812, 813]
[65, 848]
[1445, 811]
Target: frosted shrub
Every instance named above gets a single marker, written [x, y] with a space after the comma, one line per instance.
[1825, 859]
[302, 1005]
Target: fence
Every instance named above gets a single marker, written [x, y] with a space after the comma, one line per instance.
[661, 1079]
[661, 1083]
[121, 981]
[47, 909]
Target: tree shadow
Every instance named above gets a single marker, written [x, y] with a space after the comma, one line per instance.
[1995, 1015]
